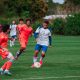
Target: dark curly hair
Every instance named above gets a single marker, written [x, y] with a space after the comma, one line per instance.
[21, 19]
[28, 20]
[5, 28]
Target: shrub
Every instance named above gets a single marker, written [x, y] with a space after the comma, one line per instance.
[58, 25]
[72, 26]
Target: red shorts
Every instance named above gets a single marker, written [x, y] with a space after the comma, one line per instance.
[23, 42]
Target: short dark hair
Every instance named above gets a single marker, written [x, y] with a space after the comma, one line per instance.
[28, 20]
[5, 28]
[21, 19]
[47, 22]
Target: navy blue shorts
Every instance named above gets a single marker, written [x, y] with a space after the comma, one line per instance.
[13, 36]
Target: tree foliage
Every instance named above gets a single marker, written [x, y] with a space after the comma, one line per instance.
[36, 8]
[75, 2]
[72, 6]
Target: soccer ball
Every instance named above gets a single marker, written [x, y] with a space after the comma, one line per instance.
[37, 65]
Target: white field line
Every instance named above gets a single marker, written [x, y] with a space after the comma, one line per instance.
[42, 78]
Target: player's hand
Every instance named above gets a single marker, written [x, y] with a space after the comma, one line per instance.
[5, 49]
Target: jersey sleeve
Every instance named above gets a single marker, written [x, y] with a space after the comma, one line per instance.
[10, 26]
[49, 33]
[37, 30]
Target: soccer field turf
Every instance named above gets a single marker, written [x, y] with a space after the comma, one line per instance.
[62, 61]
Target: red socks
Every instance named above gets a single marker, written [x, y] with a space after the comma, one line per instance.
[4, 66]
[7, 65]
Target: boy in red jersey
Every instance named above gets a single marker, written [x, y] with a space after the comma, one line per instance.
[24, 32]
[4, 53]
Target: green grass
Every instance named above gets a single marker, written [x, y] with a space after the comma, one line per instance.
[62, 61]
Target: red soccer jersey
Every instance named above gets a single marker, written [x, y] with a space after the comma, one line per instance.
[3, 45]
[21, 30]
[3, 40]
[24, 31]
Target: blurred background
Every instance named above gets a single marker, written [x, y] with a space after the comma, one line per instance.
[64, 15]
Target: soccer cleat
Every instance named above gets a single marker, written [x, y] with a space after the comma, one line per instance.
[16, 57]
[7, 73]
[1, 72]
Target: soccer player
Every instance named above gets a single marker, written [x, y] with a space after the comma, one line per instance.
[50, 39]
[42, 36]
[24, 31]
[13, 32]
[4, 53]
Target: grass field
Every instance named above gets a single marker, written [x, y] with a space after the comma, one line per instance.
[62, 61]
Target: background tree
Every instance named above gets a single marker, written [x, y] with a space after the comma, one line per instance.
[72, 6]
[36, 8]
[51, 7]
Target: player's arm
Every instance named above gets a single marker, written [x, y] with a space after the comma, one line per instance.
[31, 34]
[10, 27]
[50, 39]
[36, 33]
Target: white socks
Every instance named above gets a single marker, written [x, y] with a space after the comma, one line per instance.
[11, 43]
[34, 59]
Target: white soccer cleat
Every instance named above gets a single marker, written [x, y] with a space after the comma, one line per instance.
[1, 72]
[7, 73]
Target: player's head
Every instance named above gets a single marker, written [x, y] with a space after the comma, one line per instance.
[6, 28]
[13, 22]
[45, 24]
[28, 22]
[21, 21]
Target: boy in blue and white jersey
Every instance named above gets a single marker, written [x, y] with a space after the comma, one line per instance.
[42, 36]
[13, 33]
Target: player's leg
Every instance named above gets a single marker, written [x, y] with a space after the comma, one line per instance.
[23, 44]
[3, 68]
[14, 38]
[44, 49]
[37, 49]
[4, 55]
[8, 64]
[11, 42]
